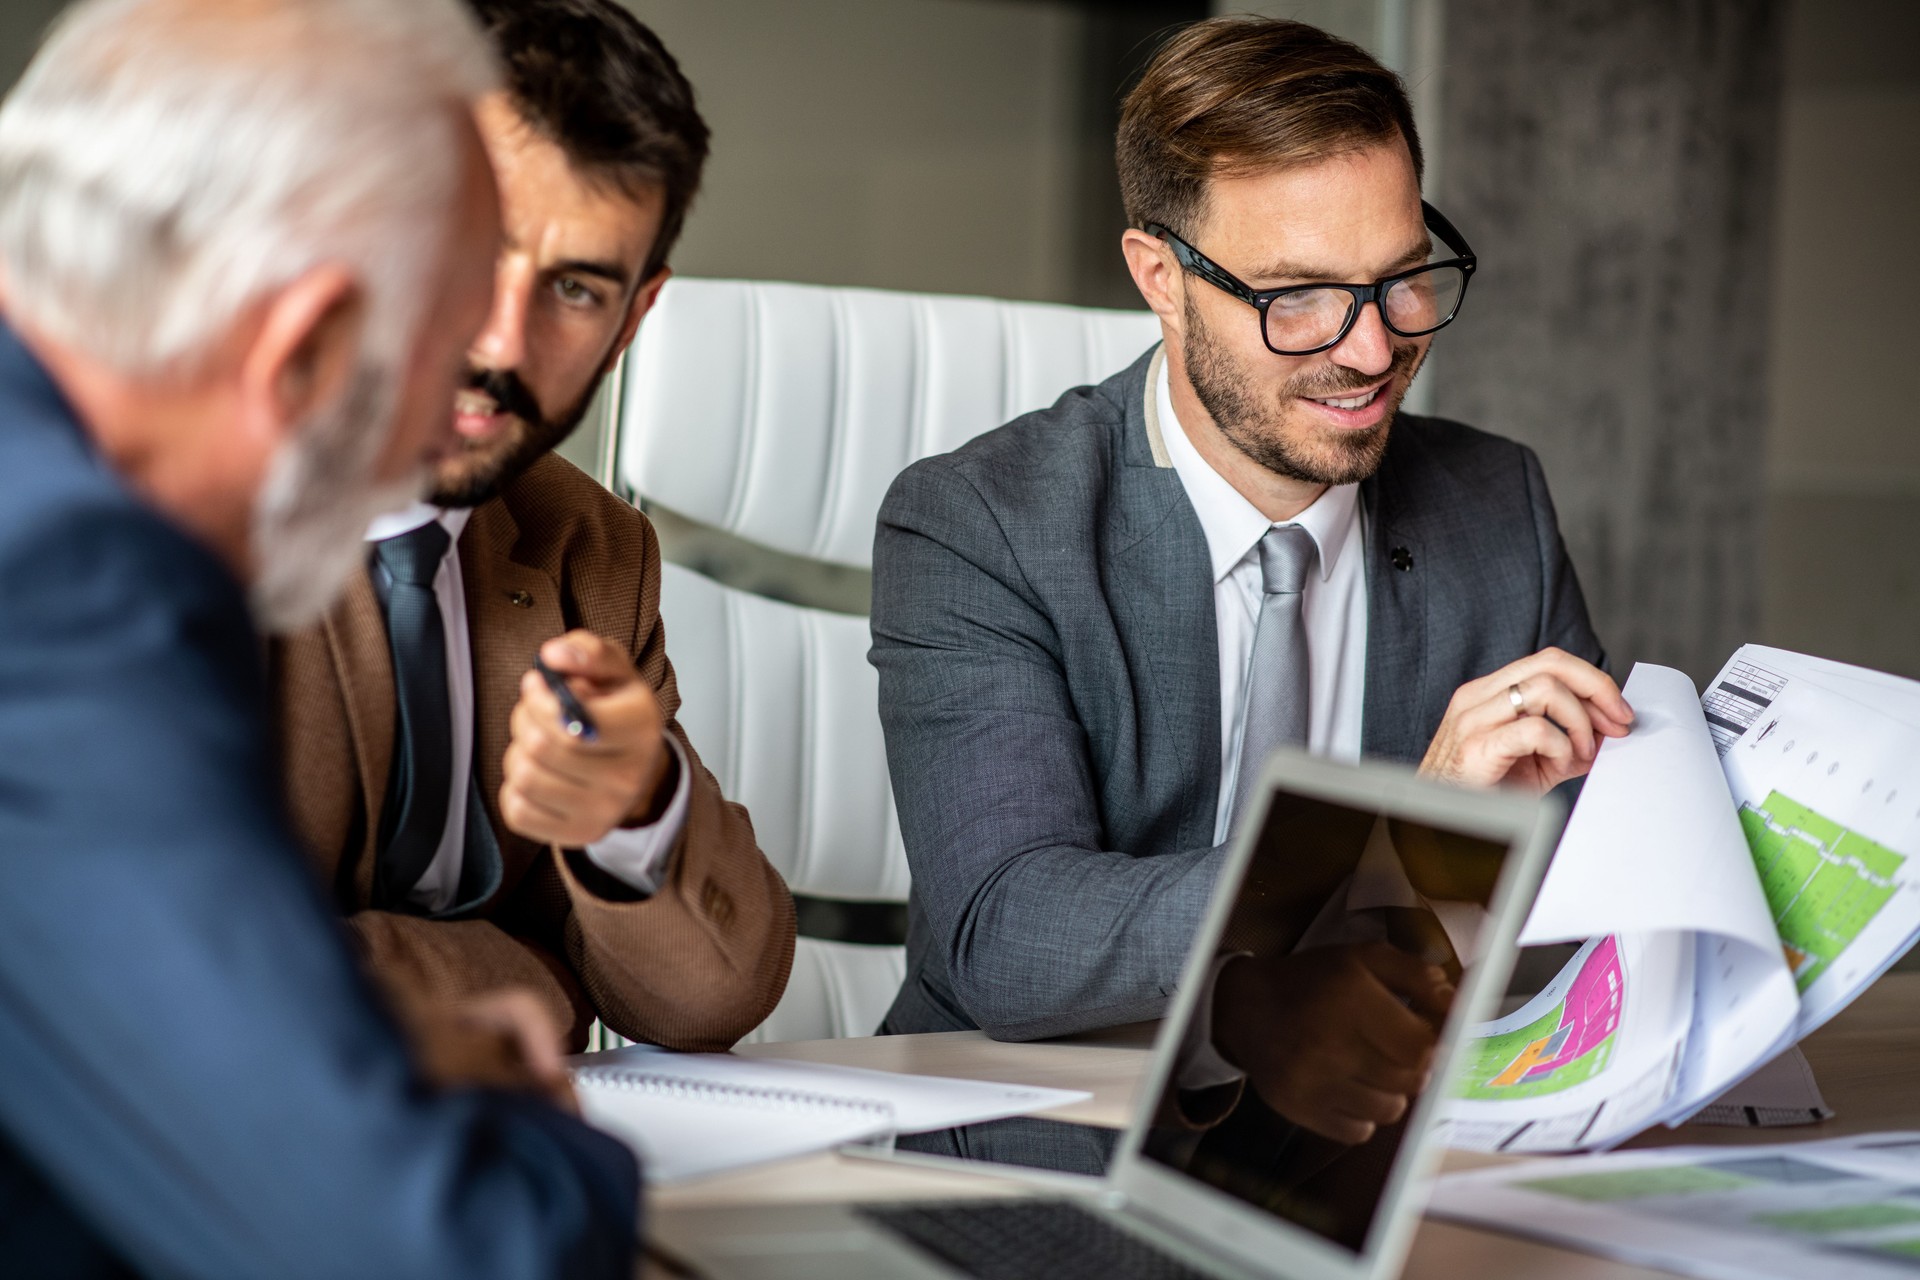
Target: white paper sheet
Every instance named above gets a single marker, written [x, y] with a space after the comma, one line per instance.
[1590, 1061]
[1828, 790]
[1780, 1094]
[1846, 1209]
[1744, 1013]
[1653, 843]
[920, 1104]
[1771, 828]
[683, 1128]
[718, 1116]
[1890, 695]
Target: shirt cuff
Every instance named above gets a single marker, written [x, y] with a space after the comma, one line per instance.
[1200, 1065]
[637, 856]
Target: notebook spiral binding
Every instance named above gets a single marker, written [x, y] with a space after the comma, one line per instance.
[666, 1085]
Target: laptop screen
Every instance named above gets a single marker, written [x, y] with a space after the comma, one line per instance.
[1332, 981]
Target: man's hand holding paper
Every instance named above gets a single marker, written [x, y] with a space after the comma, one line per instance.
[1749, 856]
[1535, 723]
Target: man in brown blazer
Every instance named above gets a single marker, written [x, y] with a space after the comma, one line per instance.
[471, 842]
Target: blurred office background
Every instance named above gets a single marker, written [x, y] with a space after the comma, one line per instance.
[1693, 219]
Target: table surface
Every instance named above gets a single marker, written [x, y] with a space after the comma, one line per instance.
[1867, 1061]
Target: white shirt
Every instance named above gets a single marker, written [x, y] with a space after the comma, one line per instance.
[630, 856]
[1333, 604]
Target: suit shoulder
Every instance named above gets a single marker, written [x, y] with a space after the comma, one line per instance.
[1424, 450]
[564, 515]
[1024, 465]
[554, 490]
[74, 544]
[1481, 490]
[70, 525]
[48, 474]
[1459, 443]
[117, 620]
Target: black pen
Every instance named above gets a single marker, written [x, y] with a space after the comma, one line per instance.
[573, 717]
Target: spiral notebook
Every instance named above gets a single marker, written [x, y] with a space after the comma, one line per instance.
[691, 1114]
[684, 1127]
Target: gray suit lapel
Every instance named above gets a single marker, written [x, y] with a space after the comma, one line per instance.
[1162, 583]
[1397, 621]
[1161, 578]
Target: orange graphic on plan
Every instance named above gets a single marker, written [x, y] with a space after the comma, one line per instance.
[1543, 1049]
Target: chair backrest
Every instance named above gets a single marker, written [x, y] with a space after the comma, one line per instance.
[780, 413]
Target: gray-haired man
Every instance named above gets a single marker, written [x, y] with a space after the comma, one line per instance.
[243, 244]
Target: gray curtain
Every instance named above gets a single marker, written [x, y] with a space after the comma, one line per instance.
[1612, 162]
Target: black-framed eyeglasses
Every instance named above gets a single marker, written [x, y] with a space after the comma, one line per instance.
[1303, 319]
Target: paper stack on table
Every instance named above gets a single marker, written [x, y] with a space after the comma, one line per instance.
[1739, 868]
[1844, 1209]
[691, 1114]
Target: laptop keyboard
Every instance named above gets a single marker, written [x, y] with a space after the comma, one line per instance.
[1029, 1240]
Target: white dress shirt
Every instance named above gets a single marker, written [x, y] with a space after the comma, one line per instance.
[1333, 605]
[632, 856]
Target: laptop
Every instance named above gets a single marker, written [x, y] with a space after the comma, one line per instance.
[1212, 1179]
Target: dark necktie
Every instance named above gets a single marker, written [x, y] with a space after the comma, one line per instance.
[422, 776]
[1277, 675]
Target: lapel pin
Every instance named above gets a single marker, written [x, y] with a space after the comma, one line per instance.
[520, 600]
[1402, 559]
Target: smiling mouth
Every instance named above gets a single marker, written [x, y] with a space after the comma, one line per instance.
[1359, 401]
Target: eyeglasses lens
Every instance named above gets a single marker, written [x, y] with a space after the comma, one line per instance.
[1308, 319]
[1422, 303]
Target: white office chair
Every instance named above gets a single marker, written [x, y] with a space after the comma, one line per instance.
[780, 413]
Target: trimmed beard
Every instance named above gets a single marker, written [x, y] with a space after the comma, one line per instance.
[471, 477]
[310, 521]
[1259, 430]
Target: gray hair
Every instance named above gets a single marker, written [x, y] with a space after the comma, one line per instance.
[165, 164]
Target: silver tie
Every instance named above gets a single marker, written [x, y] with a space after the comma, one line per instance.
[1276, 707]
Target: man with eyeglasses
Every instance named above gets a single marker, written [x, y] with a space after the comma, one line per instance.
[1094, 624]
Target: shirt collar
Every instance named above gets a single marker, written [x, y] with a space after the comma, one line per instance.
[1233, 525]
[394, 523]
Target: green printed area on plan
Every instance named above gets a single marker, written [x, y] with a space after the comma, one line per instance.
[1506, 1057]
[1639, 1184]
[1846, 1217]
[1823, 881]
[1899, 1248]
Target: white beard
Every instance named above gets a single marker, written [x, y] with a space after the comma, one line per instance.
[316, 504]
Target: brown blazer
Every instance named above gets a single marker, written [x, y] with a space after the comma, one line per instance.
[695, 966]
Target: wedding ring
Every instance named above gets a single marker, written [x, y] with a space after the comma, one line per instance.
[1519, 703]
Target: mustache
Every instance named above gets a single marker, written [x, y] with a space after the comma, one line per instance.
[507, 391]
[1332, 382]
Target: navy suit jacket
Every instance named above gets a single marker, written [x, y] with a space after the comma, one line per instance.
[193, 1078]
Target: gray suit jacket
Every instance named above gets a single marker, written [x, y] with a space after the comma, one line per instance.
[1043, 626]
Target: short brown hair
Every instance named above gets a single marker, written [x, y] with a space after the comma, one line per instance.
[1238, 95]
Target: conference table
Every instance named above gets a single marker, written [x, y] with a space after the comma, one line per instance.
[1867, 1061]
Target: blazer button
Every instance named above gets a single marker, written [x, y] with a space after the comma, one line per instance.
[520, 600]
[1402, 559]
